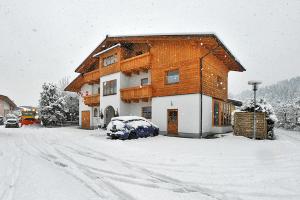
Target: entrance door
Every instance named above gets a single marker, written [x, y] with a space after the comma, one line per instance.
[173, 121]
[109, 113]
[85, 119]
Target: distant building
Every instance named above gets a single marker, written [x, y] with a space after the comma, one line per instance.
[6, 105]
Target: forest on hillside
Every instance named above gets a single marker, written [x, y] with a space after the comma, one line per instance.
[284, 96]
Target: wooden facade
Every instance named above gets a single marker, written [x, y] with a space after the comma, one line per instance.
[136, 64]
[163, 53]
[158, 55]
[136, 93]
[92, 100]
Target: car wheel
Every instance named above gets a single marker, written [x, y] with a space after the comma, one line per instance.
[133, 135]
[156, 132]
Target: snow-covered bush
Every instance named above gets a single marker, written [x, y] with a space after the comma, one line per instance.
[52, 105]
[289, 115]
[262, 106]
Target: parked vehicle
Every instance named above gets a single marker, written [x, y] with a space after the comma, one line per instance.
[131, 127]
[29, 117]
[12, 122]
[1, 120]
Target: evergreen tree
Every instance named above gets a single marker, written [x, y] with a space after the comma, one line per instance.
[52, 105]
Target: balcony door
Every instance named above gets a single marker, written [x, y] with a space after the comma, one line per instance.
[172, 121]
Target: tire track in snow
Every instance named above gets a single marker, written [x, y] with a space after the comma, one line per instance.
[102, 189]
[170, 183]
[13, 176]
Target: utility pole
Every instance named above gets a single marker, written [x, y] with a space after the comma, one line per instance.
[255, 88]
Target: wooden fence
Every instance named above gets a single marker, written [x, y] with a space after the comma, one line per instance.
[243, 124]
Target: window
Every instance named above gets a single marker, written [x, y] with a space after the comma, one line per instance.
[144, 81]
[221, 113]
[110, 87]
[110, 60]
[95, 112]
[98, 90]
[172, 77]
[216, 113]
[147, 112]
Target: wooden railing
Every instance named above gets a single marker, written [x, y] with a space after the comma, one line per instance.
[136, 64]
[135, 94]
[92, 77]
[92, 100]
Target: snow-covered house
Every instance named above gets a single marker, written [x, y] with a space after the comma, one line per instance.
[6, 105]
[180, 82]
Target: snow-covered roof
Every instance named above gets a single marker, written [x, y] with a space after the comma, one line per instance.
[164, 34]
[106, 50]
[8, 100]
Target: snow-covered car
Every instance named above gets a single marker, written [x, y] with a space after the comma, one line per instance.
[11, 122]
[131, 127]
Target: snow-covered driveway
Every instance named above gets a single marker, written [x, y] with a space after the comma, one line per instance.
[69, 163]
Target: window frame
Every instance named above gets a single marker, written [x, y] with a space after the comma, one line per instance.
[144, 107]
[224, 113]
[111, 61]
[145, 83]
[109, 87]
[167, 79]
[95, 114]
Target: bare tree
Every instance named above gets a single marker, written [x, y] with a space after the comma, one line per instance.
[63, 83]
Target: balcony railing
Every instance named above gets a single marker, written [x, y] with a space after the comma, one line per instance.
[135, 94]
[92, 77]
[136, 64]
[92, 100]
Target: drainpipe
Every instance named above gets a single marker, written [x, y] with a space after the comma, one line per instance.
[201, 89]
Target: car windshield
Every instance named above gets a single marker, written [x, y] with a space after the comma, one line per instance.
[116, 124]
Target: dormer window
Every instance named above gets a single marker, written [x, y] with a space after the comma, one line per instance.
[110, 60]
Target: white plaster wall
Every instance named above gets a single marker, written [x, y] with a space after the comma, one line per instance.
[188, 112]
[207, 114]
[96, 120]
[111, 100]
[135, 79]
[95, 88]
[82, 106]
[135, 109]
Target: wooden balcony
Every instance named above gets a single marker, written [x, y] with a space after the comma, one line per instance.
[136, 64]
[92, 77]
[134, 94]
[92, 100]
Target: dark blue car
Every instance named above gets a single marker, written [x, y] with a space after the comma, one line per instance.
[131, 127]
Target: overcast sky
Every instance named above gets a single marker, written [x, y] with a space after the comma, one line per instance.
[44, 41]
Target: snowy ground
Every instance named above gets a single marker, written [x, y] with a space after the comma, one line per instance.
[73, 164]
